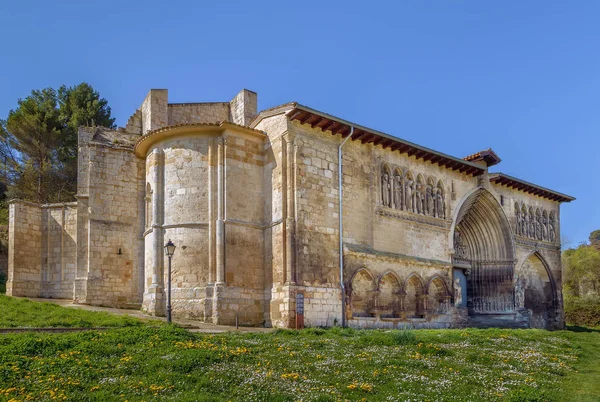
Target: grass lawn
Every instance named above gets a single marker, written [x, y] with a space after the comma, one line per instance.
[25, 313]
[157, 363]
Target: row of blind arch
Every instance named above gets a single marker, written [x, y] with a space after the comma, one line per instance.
[400, 190]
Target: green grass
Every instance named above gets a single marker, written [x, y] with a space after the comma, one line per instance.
[152, 363]
[156, 363]
[25, 313]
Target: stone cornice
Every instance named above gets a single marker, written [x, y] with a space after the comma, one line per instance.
[367, 252]
[412, 217]
[143, 144]
[536, 244]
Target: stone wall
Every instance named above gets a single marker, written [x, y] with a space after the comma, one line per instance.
[243, 107]
[214, 213]
[255, 220]
[110, 219]
[383, 230]
[189, 113]
[155, 110]
[279, 312]
[59, 250]
[24, 252]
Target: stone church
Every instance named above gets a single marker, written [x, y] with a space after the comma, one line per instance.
[252, 202]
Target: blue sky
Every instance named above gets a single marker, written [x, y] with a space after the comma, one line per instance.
[458, 76]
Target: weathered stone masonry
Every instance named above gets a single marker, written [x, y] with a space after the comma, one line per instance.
[251, 201]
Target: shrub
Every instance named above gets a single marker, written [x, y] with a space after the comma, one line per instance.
[584, 311]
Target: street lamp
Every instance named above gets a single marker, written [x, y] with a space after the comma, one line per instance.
[169, 251]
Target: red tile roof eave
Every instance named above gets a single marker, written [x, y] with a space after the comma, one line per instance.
[306, 115]
[521, 185]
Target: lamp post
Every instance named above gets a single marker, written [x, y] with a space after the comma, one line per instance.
[169, 251]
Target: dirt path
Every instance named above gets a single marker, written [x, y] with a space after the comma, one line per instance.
[191, 325]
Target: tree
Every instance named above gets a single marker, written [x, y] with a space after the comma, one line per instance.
[34, 130]
[595, 239]
[38, 141]
[79, 106]
[582, 270]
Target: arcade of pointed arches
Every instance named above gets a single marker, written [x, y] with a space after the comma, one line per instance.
[393, 297]
[401, 190]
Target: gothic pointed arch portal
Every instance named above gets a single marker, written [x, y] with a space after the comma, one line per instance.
[483, 246]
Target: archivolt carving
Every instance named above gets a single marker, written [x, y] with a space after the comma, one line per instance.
[400, 190]
[535, 224]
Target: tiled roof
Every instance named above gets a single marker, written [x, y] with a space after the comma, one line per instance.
[521, 185]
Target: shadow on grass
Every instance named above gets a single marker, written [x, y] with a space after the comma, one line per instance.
[577, 328]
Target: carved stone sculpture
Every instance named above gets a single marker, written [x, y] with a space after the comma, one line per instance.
[419, 199]
[531, 224]
[409, 196]
[398, 192]
[429, 201]
[538, 227]
[519, 222]
[544, 227]
[525, 224]
[520, 293]
[439, 201]
[385, 189]
[551, 230]
[457, 293]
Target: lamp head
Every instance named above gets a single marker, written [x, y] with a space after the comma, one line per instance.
[169, 248]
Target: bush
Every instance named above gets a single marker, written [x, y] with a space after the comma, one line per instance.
[583, 311]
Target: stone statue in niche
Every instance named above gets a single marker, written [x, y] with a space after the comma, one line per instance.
[398, 192]
[519, 223]
[551, 230]
[538, 227]
[429, 201]
[409, 196]
[385, 189]
[520, 293]
[544, 227]
[525, 231]
[531, 224]
[419, 198]
[458, 301]
[439, 203]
